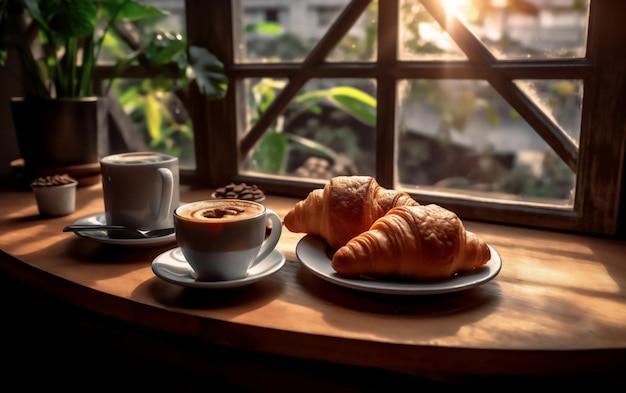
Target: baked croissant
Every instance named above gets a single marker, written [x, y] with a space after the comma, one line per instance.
[345, 207]
[424, 242]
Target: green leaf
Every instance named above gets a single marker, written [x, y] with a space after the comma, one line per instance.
[163, 84]
[68, 18]
[130, 97]
[264, 93]
[164, 48]
[35, 13]
[207, 70]
[355, 102]
[269, 155]
[311, 146]
[186, 130]
[268, 28]
[153, 118]
[130, 10]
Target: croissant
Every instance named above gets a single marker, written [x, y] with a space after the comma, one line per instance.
[344, 208]
[425, 242]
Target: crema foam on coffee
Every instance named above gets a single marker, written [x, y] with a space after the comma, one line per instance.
[219, 210]
[135, 158]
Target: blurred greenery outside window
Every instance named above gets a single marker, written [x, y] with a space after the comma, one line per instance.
[153, 101]
[159, 116]
[452, 135]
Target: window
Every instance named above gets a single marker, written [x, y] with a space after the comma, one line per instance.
[149, 90]
[508, 112]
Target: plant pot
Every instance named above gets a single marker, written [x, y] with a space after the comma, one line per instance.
[60, 132]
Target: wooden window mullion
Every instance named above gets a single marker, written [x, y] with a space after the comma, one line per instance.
[386, 88]
[603, 140]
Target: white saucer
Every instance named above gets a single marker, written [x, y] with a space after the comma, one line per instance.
[103, 236]
[172, 266]
[311, 251]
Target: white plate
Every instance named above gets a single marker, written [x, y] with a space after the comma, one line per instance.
[103, 236]
[312, 253]
[172, 266]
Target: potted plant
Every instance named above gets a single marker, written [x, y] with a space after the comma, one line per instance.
[59, 43]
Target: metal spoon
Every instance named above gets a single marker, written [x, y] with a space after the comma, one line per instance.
[140, 232]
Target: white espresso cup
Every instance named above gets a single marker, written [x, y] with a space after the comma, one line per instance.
[141, 190]
[222, 239]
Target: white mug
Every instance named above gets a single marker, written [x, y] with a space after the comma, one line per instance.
[141, 190]
[222, 239]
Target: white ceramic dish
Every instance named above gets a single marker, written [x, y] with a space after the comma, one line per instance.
[312, 253]
[172, 267]
[103, 237]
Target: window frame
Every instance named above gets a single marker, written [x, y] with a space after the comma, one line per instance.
[599, 162]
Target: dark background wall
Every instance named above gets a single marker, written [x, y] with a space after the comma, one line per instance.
[9, 87]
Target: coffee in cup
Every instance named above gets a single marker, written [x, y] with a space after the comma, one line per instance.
[141, 190]
[222, 239]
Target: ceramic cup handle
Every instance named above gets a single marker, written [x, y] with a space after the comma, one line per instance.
[272, 240]
[167, 192]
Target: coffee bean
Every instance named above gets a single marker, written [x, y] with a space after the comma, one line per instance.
[54, 180]
[239, 191]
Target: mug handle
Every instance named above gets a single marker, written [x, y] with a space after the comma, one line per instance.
[167, 192]
[270, 244]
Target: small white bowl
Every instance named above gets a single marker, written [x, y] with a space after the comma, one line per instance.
[55, 201]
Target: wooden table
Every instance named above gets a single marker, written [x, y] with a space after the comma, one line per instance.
[557, 309]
